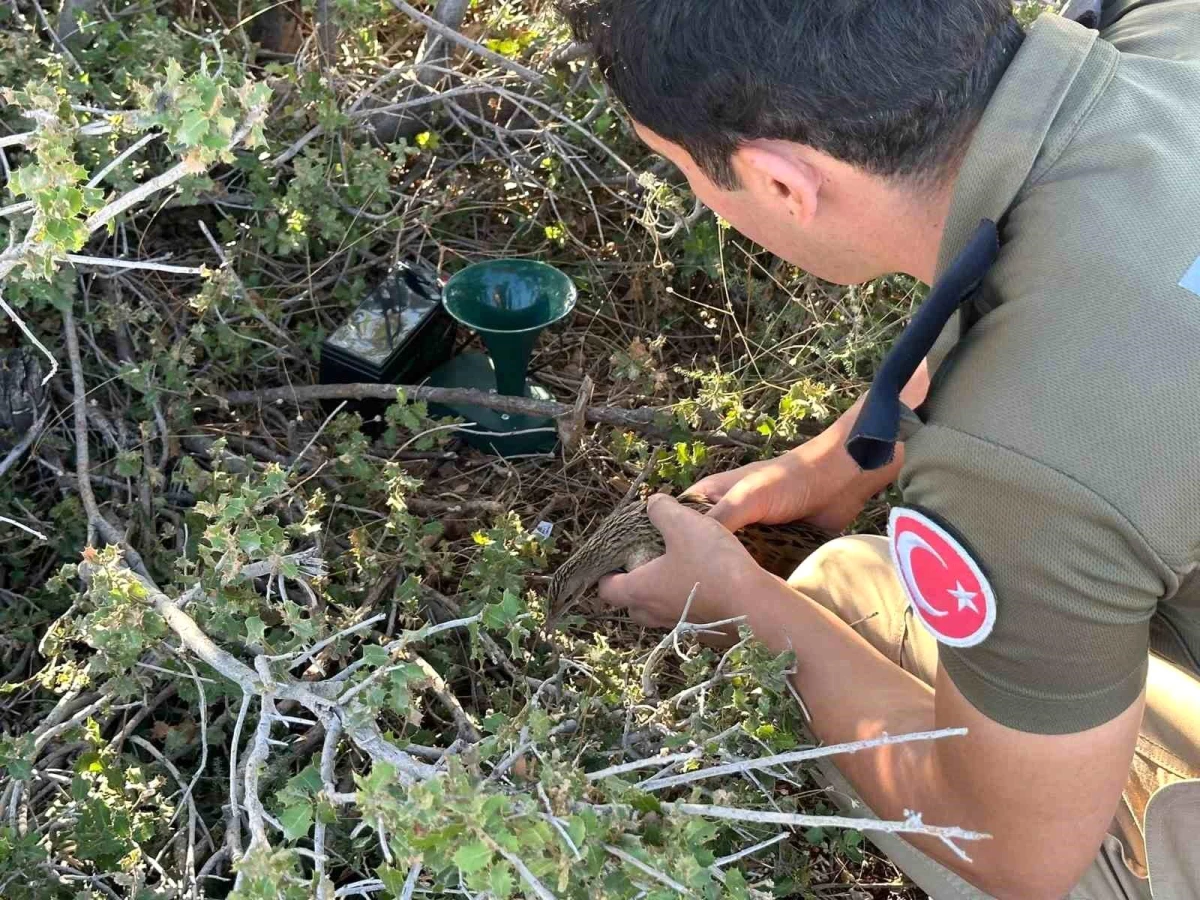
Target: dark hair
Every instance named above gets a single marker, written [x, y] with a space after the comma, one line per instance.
[892, 86]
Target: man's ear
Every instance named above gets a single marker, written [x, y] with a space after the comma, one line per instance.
[778, 169]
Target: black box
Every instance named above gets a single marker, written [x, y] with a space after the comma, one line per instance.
[397, 335]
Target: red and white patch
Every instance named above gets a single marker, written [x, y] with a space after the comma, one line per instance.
[945, 586]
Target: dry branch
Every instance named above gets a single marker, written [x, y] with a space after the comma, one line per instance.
[647, 420]
[450, 34]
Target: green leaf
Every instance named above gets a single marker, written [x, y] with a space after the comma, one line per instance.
[256, 630]
[193, 126]
[472, 857]
[577, 830]
[501, 882]
[307, 781]
[735, 884]
[375, 655]
[129, 464]
[74, 198]
[296, 820]
[250, 540]
[393, 880]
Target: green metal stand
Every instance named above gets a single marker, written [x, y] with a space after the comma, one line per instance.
[474, 370]
[508, 302]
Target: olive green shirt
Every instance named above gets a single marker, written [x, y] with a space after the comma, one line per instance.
[1061, 436]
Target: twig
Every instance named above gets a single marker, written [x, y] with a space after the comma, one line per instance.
[316, 434]
[124, 155]
[254, 765]
[641, 419]
[187, 797]
[425, 506]
[328, 752]
[797, 756]
[95, 519]
[23, 527]
[410, 883]
[16, 209]
[749, 851]
[467, 729]
[332, 639]
[911, 824]
[91, 129]
[233, 834]
[24, 444]
[658, 876]
[112, 263]
[648, 687]
[539, 889]
[450, 34]
[55, 39]
[556, 822]
[20, 323]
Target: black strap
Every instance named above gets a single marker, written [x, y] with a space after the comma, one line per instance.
[872, 441]
[1085, 12]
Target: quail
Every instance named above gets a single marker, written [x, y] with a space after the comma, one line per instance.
[628, 539]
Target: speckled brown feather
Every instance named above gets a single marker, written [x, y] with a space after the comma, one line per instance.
[628, 539]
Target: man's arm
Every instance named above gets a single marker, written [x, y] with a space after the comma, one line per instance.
[1047, 800]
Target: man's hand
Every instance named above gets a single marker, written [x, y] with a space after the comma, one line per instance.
[698, 552]
[817, 482]
[806, 483]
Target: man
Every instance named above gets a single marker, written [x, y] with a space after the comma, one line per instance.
[1041, 413]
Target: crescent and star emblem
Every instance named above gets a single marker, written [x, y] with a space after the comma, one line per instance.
[948, 591]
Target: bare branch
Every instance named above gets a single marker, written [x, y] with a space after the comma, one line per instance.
[798, 756]
[640, 419]
[450, 34]
[24, 444]
[112, 263]
[658, 876]
[911, 825]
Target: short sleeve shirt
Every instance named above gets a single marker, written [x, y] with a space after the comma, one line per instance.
[1059, 445]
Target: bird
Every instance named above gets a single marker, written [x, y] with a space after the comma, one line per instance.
[627, 539]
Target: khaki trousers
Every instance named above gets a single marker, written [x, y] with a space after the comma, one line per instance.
[1153, 847]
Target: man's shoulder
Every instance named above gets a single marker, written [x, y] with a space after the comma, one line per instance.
[1098, 385]
[1167, 29]
[1088, 357]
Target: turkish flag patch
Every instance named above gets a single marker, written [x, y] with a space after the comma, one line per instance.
[945, 586]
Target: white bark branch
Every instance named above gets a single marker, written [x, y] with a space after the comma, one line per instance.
[796, 756]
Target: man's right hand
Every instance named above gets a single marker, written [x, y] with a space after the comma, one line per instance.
[809, 483]
[816, 482]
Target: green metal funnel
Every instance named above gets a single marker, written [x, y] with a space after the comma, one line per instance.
[508, 302]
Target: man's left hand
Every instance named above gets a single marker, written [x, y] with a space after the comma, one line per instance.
[699, 551]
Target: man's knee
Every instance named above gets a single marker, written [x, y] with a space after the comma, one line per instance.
[849, 575]
[855, 578]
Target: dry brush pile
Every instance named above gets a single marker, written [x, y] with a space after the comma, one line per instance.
[258, 647]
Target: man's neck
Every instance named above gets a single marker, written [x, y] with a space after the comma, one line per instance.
[896, 224]
[919, 221]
